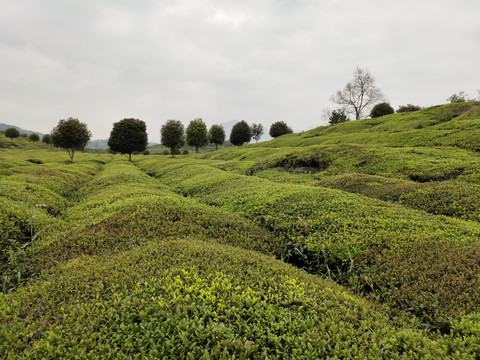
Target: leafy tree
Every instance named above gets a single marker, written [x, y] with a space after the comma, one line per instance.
[257, 131]
[197, 134]
[12, 133]
[457, 98]
[128, 136]
[34, 137]
[71, 135]
[173, 135]
[381, 110]
[279, 128]
[337, 116]
[241, 133]
[47, 139]
[217, 135]
[408, 108]
[360, 94]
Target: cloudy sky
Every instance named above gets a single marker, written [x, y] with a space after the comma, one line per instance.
[259, 60]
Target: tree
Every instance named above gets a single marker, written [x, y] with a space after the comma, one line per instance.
[128, 136]
[47, 139]
[279, 128]
[457, 98]
[197, 134]
[12, 133]
[381, 110]
[257, 131]
[172, 135]
[360, 94]
[337, 116]
[408, 108]
[34, 137]
[241, 133]
[71, 135]
[217, 135]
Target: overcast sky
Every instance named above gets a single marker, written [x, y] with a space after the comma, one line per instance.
[256, 60]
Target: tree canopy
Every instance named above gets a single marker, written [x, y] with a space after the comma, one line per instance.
[34, 137]
[12, 133]
[128, 136]
[381, 109]
[279, 128]
[337, 116]
[257, 131]
[47, 139]
[197, 134]
[172, 135]
[217, 135]
[71, 135]
[360, 94]
[241, 133]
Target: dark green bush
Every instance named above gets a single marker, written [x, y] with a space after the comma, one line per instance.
[381, 110]
[279, 128]
[338, 116]
[437, 282]
[408, 108]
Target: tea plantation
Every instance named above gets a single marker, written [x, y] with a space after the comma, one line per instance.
[354, 241]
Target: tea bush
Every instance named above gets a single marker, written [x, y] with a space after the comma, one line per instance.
[322, 230]
[187, 298]
[437, 282]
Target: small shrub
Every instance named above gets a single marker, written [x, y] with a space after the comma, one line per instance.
[381, 110]
[408, 108]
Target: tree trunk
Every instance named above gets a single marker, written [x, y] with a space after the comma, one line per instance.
[130, 157]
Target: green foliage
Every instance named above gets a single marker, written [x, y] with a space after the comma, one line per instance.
[217, 135]
[71, 135]
[12, 133]
[172, 135]
[338, 116]
[279, 128]
[319, 229]
[408, 108]
[381, 109]
[128, 136]
[241, 133]
[47, 139]
[435, 281]
[197, 134]
[202, 300]
[257, 131]
[34, 137]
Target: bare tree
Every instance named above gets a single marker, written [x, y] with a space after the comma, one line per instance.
[360, 94]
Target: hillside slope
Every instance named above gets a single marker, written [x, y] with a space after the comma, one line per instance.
[455, 124]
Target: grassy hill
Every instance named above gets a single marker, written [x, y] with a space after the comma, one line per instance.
[446, 125]
[347, 241]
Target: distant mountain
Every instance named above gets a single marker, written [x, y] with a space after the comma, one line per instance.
[4, 127]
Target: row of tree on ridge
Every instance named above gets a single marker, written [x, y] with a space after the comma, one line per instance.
[130, 135]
